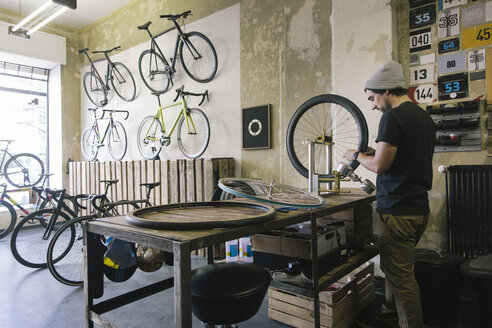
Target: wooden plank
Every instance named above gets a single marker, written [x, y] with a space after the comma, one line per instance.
[149, 177]
[190, 181]
[299, 300]
[299, 312]
[208, 176]
[124, 183]
[130, 177]
[137, 178]
[157, 178]
[182, 180]
[121, 185]
[173, 181]
[199, 180]
[164, 178]
[290, 320]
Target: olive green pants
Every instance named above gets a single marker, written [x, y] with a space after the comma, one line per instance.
[398, 235]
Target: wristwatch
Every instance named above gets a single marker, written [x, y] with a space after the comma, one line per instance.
[356, 154]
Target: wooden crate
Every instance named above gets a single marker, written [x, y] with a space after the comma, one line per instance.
[338, 305]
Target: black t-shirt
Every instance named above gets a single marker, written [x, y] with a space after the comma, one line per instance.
[403, 188]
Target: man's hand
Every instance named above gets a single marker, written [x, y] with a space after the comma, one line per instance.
[349, 154]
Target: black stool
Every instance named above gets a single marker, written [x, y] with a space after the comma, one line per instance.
[480, 270]
[227, 293]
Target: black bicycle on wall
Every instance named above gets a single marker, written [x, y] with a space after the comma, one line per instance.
[120, 76]
[196, 52]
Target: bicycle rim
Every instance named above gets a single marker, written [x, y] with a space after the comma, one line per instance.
[123, 82]
[27, 244]
[153, 71]
[333, 122]
[117, 141]
[95, 90]
[88, 144]
[149, 137]
[7, 220]
[65, 255]
[198, 57]
[193, 133]
[24, 170]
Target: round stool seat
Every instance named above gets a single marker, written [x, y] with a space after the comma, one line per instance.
[479, 267]
[228, 293]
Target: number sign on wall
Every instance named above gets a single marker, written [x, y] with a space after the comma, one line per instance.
[420, 40]
[445, 4]
[453, 86]
[422, 16]
[422, 74]
[418, 3]
[476, 60]
[473, 15]
[448, 23]
[449, 45]
[423, 94]
[451, 63]
[476, 36]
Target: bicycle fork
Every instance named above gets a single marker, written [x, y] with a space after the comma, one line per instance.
[54, 217]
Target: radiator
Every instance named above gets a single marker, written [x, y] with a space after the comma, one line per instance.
[469, 209]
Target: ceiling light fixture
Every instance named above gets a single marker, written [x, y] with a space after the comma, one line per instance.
[42, 16]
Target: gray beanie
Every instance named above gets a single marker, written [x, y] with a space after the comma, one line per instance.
[389, 76]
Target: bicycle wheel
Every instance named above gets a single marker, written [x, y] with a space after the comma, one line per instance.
[24, 170]
[117, 141]
[27, 243]
[95, 89]
[123, 82]
[7, 221]
[198, 57]
[194, 137]
[88, 143]
[154, 71]
[65, 255]
[332, 121]
[149, 137]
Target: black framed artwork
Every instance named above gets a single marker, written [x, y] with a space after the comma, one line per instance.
[256, 127]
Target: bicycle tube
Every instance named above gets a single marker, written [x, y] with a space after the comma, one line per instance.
[194, 140]
[65, 257]
[198, 57]
[88, 143]
[331, 121]
[154, 71]
[123, 82]
[27, 245]
[149, 137]
[117, 143]
[24, 170]
[95, 89]
[12, 219]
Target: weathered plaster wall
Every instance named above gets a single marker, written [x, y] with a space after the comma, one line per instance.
[435, 236]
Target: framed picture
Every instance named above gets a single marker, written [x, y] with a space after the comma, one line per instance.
[256, 127]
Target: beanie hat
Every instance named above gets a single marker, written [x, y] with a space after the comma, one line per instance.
[389, 76]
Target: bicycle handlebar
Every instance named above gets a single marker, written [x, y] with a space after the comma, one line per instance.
[115, 111]
[181, 93]
[175, 17]
[106, 51]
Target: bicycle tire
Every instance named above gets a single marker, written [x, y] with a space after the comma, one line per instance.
[332, 114]
[150, 127]
[117, 143]
[201, 69]
[65, 255]
[24, 170]
[13, 219]
[154, 71]
[194, 143]
[95, 89]
[88, 143]
[125, 86]
[27, 244]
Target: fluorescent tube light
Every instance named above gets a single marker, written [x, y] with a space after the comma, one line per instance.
[47, 20]
[32, 15]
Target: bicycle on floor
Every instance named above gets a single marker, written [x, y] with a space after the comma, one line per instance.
[91, 140]
[192, 138]
[20, 170]
[196, 53]
[118, 74]
[30, 238]
[65, 256]
[6, 201]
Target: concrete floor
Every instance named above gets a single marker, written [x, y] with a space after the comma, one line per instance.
[32, 298]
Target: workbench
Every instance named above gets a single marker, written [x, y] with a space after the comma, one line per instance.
[182, 243]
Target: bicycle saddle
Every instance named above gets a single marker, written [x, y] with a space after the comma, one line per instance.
[151, 184]
[144, 26]
[83, 51]
[110, 181]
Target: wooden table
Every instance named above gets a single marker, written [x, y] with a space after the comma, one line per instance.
[181, 243]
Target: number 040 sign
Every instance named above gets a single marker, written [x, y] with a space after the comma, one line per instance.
[423, 94]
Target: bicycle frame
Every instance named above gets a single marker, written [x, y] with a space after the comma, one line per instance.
[95, 124]
[60, 205]
[4, 157]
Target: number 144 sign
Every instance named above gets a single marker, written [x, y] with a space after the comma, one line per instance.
[423, 94]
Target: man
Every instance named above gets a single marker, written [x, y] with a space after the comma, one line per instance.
[403, 163]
